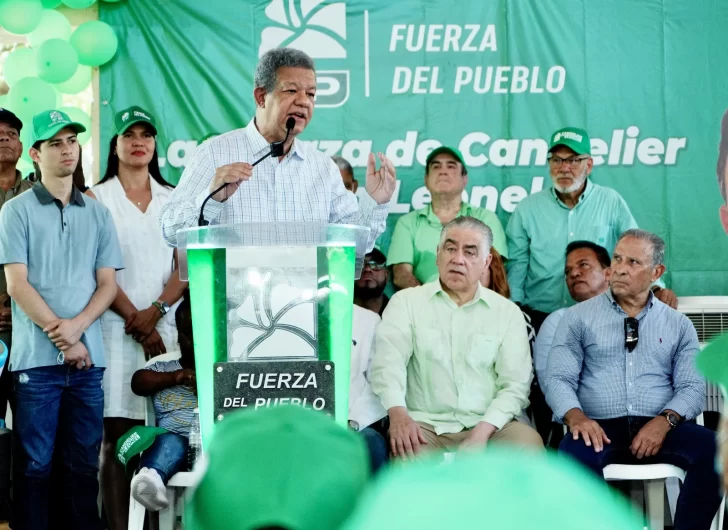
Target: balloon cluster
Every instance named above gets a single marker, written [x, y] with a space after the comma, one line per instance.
[59, 59]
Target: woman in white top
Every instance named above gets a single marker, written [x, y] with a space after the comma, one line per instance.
[140, 322]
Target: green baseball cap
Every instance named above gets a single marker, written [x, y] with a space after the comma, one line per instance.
[283, 466]
[447, 150]
[47, 124]
[517, 490]
[129, 116]
[575, 139]
[136, 440]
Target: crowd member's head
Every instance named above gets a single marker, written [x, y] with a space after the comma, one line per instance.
[428, 495]
[494, 276]
[586, 270]
[133, 145]
[79, 179]
[373, 278]
[347, 173]
[55, 150]
[570, 161]
[463, 253]
[284, 87]
[282, 467]
[723, 170]
[183, 319]
[11, 148]
[637, 262]
[445, 172]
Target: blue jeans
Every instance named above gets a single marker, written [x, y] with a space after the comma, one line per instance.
[377, 446]
[167, 455]
[65, 406]
[688, 446]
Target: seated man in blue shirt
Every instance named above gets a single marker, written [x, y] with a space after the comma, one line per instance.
[621, 375]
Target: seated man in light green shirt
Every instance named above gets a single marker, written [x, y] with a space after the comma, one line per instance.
[412, 248]
[452, 363]
[574, 209]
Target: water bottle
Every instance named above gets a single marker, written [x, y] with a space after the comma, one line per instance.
[195, 445]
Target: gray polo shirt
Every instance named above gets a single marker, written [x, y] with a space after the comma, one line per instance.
[63, 247]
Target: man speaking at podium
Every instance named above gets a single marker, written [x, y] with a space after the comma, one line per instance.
[301, 184]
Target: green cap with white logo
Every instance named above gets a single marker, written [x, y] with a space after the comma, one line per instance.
[572, 137]
[132, 115]
[136, 440]
[47, 124]
[443, 149]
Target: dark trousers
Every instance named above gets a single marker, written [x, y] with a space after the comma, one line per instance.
[551, 432]
[688, 446]
[57, 406]
[167, 455]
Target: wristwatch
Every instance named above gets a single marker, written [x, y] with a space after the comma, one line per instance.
[672, 418]
[354, 426]
[162, 306]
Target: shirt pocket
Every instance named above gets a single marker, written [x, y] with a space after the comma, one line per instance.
[482, 352]
[430, 346]
[596, 233]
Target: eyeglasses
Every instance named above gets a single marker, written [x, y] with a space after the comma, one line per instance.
[573, 161]
[631, 333]
[374, 265]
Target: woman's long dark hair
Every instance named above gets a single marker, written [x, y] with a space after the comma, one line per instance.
[112, 165]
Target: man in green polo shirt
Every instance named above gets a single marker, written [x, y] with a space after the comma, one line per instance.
[416, 235]
[574, 209]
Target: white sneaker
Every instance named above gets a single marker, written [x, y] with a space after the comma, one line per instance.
[148, 490]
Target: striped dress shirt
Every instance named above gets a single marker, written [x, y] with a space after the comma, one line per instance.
[590, 368]
[304, 187]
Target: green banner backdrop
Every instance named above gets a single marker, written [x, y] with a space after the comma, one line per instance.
[495, 78]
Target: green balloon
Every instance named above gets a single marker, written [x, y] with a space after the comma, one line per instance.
[30, 96]
[95, 42]
[78, 83]
[53, 25]
[56, 61]
[50, 4]
[26, 137]
[19, 64]
[112, 1]
[79, 4]
[81, 117]
[20, 16]
[4, 101]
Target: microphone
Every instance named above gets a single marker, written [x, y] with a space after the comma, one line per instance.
[276, 149]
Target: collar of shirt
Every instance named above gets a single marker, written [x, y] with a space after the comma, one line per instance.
[650, 302]
[261, 146]
[428, 213]
[45, 197]
[435, 288]
[588, 189]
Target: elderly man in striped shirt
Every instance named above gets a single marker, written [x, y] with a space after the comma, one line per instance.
[621, 375]
[302, 185]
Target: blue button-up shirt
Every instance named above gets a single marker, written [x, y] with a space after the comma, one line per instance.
[590, 368]
[63, 247]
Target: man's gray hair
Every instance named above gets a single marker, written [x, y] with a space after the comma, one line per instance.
[658, 245]
[469, 223]
[266, 73]
[342, 164]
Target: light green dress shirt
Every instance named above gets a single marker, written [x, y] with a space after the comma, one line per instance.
[452, 367]
[417, 234]
[540, 230]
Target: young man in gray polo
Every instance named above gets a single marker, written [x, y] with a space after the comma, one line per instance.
[60, 254]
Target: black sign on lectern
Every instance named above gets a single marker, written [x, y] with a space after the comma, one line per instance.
[260, 384]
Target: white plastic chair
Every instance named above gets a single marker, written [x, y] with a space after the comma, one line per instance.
[176, 487]
[654, 478]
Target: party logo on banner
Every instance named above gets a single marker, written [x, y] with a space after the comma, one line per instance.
[317, 28]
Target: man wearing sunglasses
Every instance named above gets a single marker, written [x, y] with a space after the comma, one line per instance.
[369, 289]
[543, 224]
[621, 375]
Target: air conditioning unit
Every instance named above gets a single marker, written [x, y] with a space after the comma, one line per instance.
[709, 315]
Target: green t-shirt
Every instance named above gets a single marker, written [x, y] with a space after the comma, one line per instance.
[417, 234]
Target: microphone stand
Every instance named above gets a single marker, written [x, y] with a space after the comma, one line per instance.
[276, 149]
